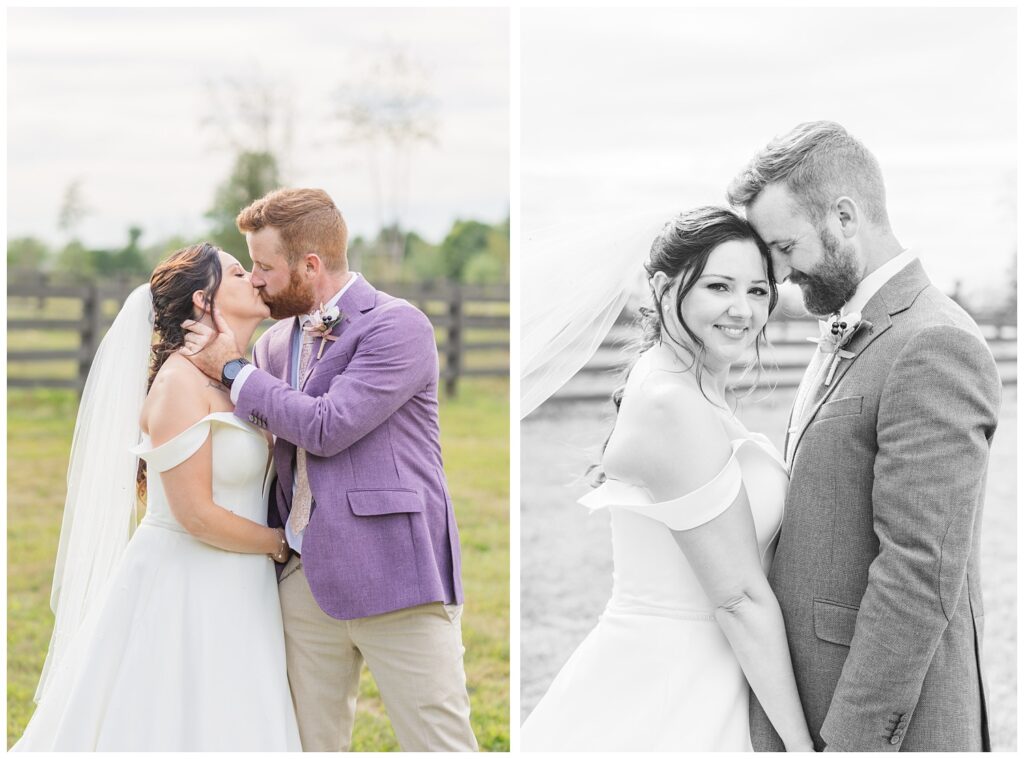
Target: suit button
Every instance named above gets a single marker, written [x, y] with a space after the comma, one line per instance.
[894, 740]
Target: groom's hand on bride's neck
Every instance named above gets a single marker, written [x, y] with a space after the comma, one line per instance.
[207, 348]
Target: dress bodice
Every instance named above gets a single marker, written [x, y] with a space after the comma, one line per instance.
[241, 475]
[652, 574]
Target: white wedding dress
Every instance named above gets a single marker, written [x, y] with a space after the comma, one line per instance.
[657, 673]
[186, 650]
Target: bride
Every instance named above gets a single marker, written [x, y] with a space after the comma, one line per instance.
[695, 500]
[172, 640]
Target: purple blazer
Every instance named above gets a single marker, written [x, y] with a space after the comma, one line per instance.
[382, 533]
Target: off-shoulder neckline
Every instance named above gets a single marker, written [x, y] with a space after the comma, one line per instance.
[226, 417]
[764, 446]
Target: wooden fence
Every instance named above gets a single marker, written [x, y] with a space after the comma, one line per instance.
[54, 329]
[784, 361]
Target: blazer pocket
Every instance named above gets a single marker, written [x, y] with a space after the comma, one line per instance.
[841, 407]
[373, 503]
[834, 622]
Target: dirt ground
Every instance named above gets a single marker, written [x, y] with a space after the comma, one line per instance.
[566, 569]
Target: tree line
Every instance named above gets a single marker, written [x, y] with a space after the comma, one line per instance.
[472, 252]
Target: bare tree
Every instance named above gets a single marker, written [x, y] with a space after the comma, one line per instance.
[388, 109]
[73, 209]
[251, 114]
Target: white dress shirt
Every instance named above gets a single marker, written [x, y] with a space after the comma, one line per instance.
[874, 281]
[865, 291]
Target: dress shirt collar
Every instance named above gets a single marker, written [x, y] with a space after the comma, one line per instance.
[337, 296]
[874, 281]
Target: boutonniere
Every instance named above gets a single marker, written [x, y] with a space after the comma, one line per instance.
[836, 333]
[321, 322]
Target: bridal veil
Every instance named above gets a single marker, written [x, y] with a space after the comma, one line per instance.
[100, 509]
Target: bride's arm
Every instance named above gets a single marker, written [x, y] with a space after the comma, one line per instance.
[674, 443]
[189, 485]
[189, 489]
[724, 555]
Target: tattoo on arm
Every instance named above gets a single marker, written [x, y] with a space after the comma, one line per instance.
[216, 386]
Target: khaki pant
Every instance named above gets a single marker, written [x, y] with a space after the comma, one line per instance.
[414, 654]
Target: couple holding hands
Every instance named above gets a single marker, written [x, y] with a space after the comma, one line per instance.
[826, 597]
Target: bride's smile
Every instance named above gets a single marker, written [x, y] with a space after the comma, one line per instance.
[724, 308]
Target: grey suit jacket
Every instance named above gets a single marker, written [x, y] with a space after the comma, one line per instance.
[877, 569]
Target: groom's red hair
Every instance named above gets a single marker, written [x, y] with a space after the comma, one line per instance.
[308, 222]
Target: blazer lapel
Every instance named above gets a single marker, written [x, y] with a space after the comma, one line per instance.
[320, 350]
[279, 351]
[360, 297]
[896, 295]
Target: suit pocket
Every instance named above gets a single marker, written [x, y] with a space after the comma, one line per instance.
[373, 503]
[834, 622]
[841, 407]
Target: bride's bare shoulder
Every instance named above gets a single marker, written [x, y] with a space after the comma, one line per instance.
[179, 397]
[666, 425]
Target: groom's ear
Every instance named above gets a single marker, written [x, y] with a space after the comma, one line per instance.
[848, 215]
[312, 264]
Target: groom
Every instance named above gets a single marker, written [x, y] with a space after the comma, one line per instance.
[876, 569]
[349, 389]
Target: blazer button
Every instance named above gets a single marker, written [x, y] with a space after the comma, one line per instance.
[896, 738]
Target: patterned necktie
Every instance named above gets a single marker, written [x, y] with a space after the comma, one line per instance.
[302, 501]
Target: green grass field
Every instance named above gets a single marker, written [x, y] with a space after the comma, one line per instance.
[475, 441]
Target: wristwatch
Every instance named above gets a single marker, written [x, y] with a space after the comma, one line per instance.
[231, 370]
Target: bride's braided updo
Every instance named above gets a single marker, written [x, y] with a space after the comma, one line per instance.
[174, 280]
[682, 250]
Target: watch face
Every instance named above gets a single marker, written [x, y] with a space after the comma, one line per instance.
[232, 368]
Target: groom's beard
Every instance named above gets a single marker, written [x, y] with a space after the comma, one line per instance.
[833, 281]
[295, 300]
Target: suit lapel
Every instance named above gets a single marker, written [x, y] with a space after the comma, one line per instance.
[279, 343]
[896, 295]
[360, 297]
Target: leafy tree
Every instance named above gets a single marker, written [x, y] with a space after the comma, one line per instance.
[88, 264]
[423, 260]
[27, 254]
[76, 261]
[466, 240]
[499, 248]
[128, 261]
[484, 270]
[254, 175]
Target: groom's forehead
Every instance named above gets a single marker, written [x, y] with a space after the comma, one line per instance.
[774, 214]
[266, 241]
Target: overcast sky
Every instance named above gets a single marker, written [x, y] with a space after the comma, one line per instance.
[627, 110]
[116, 97]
